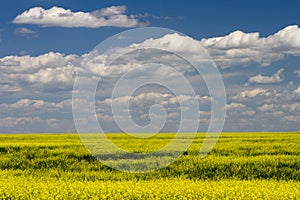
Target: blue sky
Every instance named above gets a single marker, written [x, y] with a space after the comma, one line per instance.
[255, 44]
[197, 19]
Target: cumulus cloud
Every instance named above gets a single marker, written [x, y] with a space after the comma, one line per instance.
[50, 71]
[239, 48]
[257, 92]
[144, 101]
[34, 125]
[29, 78]
[292, 107]
[174, 43]
[297, 91]
[275, 78]
[266, 107]
[235, 106]
[36, 115]
[57, 70]
[25, 105]
[13, 122]
[235, 49]
[56, 16]
[140, 109]
[37, 108]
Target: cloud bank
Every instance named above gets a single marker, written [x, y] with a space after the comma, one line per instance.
[36, 90]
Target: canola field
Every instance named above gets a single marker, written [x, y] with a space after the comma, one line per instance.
[241, 166]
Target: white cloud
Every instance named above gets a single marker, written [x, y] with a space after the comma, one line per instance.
[235, 106]
[249, 112]
[140, 109]
[236, 39]
[239, 48]
[275, 78]
[9, 88]
[25, 77]
[297, 91]
[292, 107]
[56, 16]
[29, 63]
[34, 104]
[37, 107]
[235, 49]
[56, 70]
[140, 105]
[50, 71]
[26, 103]
[292, 118]
[266, 107]
[12, 121]
[145, 100]
[24, 31]
[246, 94]
[113, 10]
[34, 124]
[174, 43]
[36, 115]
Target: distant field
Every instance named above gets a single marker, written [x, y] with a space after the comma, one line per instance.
[241, 166]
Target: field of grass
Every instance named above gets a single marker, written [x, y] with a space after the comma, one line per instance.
[241, 166]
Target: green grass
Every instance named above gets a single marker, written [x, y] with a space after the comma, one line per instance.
[241, 166]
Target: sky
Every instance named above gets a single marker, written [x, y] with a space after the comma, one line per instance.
[46, 45]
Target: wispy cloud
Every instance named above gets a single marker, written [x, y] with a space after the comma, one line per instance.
[23, 31]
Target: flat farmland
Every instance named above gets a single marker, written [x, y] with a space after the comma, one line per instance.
[240, 166]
